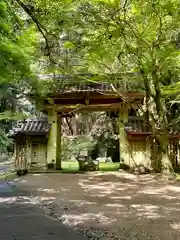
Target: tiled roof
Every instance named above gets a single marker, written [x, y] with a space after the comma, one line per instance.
[31, 127]
[89, 82]
[138, 127]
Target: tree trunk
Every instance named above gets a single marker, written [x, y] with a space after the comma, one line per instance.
[155, 156]
[160, 157]
[156, 119]
[167, 163]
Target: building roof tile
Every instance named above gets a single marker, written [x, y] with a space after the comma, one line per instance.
[31, 127]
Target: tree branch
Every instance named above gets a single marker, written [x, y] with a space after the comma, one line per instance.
[40, 28]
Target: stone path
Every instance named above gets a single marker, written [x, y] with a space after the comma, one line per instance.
[20, 219]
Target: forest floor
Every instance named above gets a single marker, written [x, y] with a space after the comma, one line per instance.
[109, 205]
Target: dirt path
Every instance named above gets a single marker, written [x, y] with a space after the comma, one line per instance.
[110, 205]
[22, 220]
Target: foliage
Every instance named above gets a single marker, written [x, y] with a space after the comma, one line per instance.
[136, 40]
[103, 131]
[14, 47]
[5, 142]
[108, 36]
[74, 145]
[17, 49]
[139, 37]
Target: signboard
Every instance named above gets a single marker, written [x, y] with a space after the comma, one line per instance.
[84, 153]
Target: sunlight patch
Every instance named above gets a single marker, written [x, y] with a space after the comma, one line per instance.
[153, 191]
[114, 205]
[82, 202]
[121, 197]
[35, 200]
[173, 188]
[73, 219]
[146, 210]
[175, 226]
[8, 199]
[48, 190]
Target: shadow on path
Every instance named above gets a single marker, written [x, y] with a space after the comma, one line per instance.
[20, 219]
[126, 206]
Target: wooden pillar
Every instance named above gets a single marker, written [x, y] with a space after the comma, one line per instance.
[123, 140]
[148, 153]
[86, 120]
[58, 143]
[29, 152]
[15, 152]
[54, 140]
[178, 152]
[74, 125]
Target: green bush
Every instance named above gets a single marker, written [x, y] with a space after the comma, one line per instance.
[5, 142]
[72, 146]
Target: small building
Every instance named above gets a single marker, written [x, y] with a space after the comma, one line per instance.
[30, 144]
[139, 139]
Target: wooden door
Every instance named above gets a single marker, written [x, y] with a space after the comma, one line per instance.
[34, 159]
[42, 154]
[21, 154]
[39, 154]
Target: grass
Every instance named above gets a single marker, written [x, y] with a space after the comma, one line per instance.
[73, 167]
[67, 167]
[8, 175]
[70, 166]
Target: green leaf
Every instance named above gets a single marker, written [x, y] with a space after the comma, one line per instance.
[69, 45]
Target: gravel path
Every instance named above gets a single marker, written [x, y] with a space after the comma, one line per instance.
[21, 220]
[109, 205]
